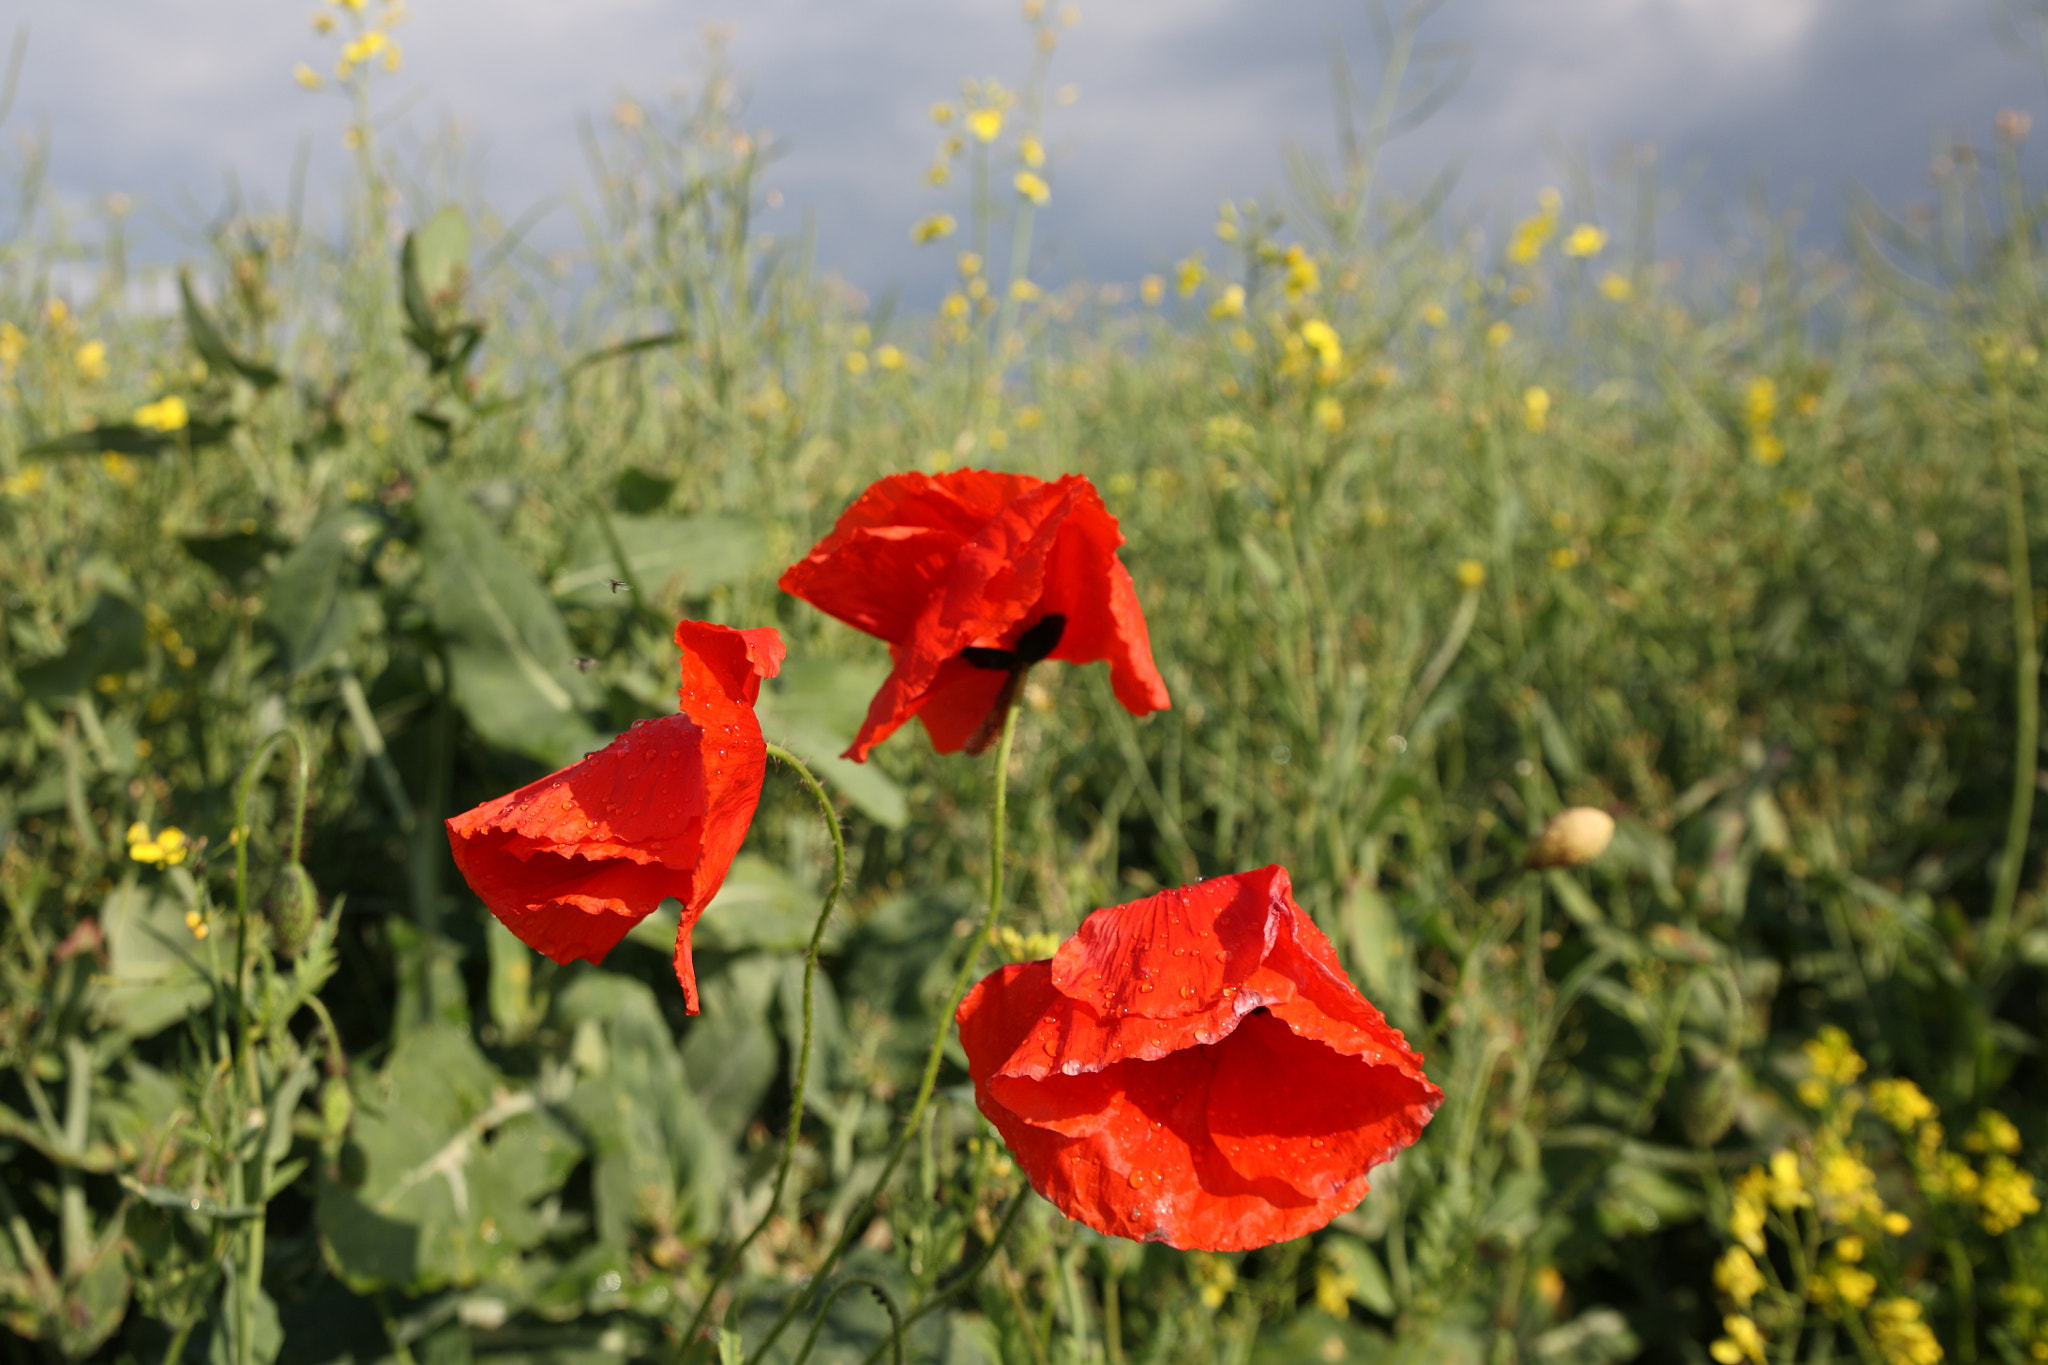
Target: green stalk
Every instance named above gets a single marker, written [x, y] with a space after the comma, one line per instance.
[998, 810]
[803, 1060]
[2026, 683]
[249, 1283]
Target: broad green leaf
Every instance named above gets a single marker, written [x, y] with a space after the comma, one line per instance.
[636, 491]
[668, 557]
[1365, 1281]
[314, 605]
[125, 438]
[514, 671]
[212, 346]
[235, 555]
[454, 1158]
[814, 709]
[441, 255]
[109, 639]
[729, 1049]
[154, 974]
[760, 907]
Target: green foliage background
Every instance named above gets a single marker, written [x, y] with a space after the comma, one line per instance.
[435, 513]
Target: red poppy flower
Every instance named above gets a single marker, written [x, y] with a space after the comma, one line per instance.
[572, 862]
[971, 577]
[1194, 1068]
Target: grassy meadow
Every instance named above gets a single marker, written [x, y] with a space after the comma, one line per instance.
[1438, 532]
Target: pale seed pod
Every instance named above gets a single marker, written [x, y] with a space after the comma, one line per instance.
[1573, 838]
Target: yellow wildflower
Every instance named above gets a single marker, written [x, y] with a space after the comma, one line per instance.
[13, 341]
[1736, 1275]
[1188, 275]
[166, 848]
[196, 922]
[1499, 335]
[1433, 315]
[856, 362]
[165, 414]
[1531, 233]
[2006, 1194]
[1743, 1342]
[1842, 1284]
[985, 124]
[1323, 340]
[1471, 574]
[307, 76]
[938, 173]
[970, 264]
[1151, 289]
[1786, 1188]
[1304, 276]
[1536, 408]
[1032, 187]
[1617, 287]
[1564, 557]
[1766, 449]
[1747, 1212]
[1585, 241]
[1329, 415]
[1850, 1248]
[91, 360]
[119, 468]
[1994, 1133]
[933, 227]
[1900, 1103]
[1031, 151]
[1831, 1056]
[1846, 1187]
[323, 24]
[942, 113]
[1024, 291]
[25, 484]
[889, 357]
[1901, 1336]
[1029, 417]
[1333, 1291]
[1229, 304]
[1760, 402]
[362, 49]
[1216, 1276]
[1895, 1224]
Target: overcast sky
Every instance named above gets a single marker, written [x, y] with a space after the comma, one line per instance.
[1182, 102]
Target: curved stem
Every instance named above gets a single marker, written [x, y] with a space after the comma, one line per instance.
[998, 813]
[966, 1275]
[803, 1059]
[882, 1296]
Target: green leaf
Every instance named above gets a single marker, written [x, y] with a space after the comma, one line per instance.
[760, 907]
[154, 977]
[236, 556]
[125, 438]
[730, 1049]
[453, 1161]
[814, 709]
[636, 491]
[441, 256]
[668, 557]
[513, 666]
[213, 347]
[1369, 1286]
[314, 606]
[109, 639]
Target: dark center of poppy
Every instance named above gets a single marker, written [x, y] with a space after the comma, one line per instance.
[1039, 640]
[1260, 1009]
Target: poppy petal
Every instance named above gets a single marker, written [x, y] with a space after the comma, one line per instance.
[1194, 1068]
[936, 565]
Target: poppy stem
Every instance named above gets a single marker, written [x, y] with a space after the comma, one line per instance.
[803, 1058]
[857, 1223]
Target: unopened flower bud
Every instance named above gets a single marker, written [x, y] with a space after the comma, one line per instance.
[1573, 838]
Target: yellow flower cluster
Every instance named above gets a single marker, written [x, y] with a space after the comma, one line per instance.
[1026, 947]
[1531, 234]
[1760, 411]
[166, 848]
[1216, 1277]
[1303, 275]
[1900, 1335]
[166, 414]
[1743, 1341]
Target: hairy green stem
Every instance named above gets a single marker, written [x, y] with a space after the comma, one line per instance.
[803, 1059]
[998, 813]
[882, 1296]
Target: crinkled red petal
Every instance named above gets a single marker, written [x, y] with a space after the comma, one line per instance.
[936, 564]
[1194, 1068]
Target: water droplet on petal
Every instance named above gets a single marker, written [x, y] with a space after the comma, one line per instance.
[1137, 1179]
